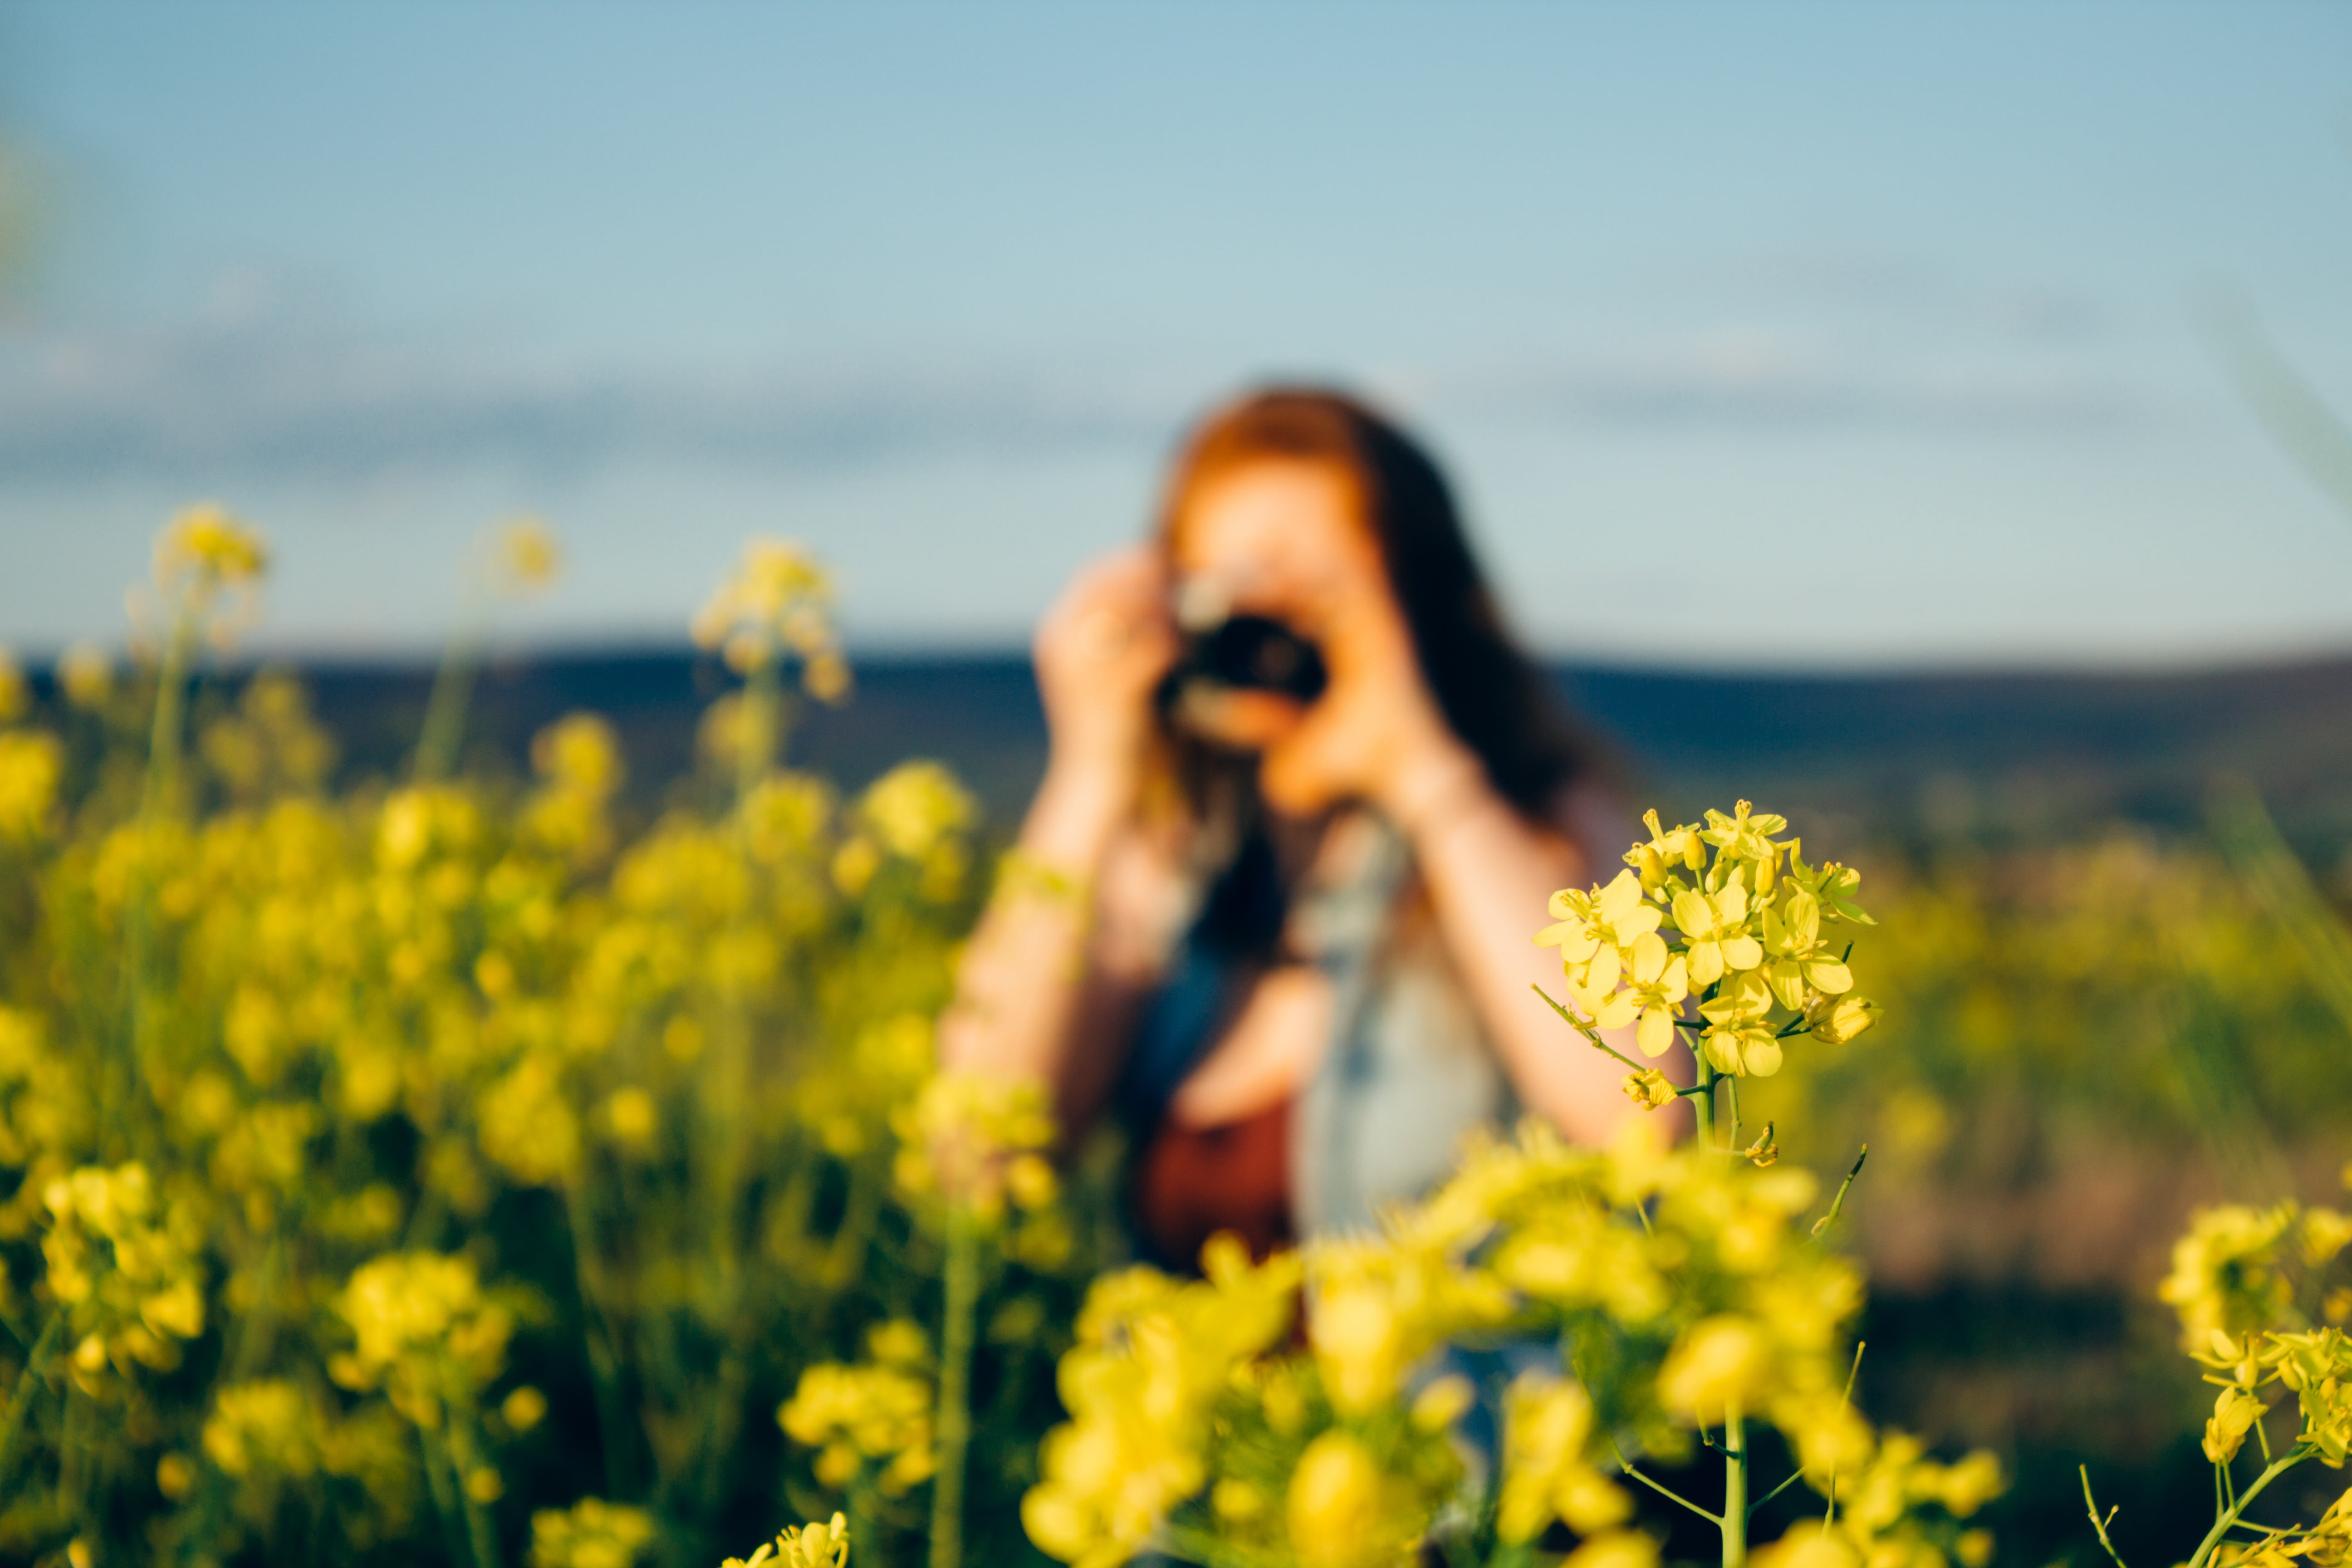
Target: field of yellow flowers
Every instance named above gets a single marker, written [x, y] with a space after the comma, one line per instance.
[426, 1169]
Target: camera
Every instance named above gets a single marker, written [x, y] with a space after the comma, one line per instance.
[1242, 653]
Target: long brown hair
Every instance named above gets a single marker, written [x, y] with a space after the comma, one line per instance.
[1491, 693]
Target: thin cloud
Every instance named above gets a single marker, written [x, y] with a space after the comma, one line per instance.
[251, 394]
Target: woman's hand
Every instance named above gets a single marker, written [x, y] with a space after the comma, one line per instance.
[1100, 653]
[1377, 733]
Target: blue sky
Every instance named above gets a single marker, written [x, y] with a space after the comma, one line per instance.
[1788, 334]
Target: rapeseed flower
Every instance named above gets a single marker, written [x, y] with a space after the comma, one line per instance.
[825, 1545]
[31, 766]
[1716, 926]
[777, 601]
[856, 1415]
[1550, 1471]
[1592, 931]
[2225, 1273]
[591, 1533]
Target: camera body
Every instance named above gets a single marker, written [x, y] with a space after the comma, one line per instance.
[1242, 653]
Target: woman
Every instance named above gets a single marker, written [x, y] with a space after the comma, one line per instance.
[1288, 932]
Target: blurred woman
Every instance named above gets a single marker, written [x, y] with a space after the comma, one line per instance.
[1304, 806]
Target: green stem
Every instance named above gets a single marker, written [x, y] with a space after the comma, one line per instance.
[1592, 1038]
[465, 1459]
[442, 1481]
[763, 727]
[36, 1368]
[1734, 1518]
[847, 1253]
[444, 731]
[170, 703]
[1704, 1102]
[953, 1427]
[2099, 1522]
[595, 1328]
[2228, 1517]
[1664, 1492]
[1837, 1207]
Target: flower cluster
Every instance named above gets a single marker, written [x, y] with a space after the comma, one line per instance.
[875, 1412]
[2244, 1283]
[424, 1332]
[976, 1141]
[591, 1533]
[207, 571]
[352, 1095]
[1676, 1288]
[123, 1264]
[2234, 1271]
[2233, 1285]
[777, 601]
[1712, 929]
[1154, 1359]
[1900, 1510]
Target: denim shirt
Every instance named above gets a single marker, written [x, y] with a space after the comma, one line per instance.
[1408, 1071]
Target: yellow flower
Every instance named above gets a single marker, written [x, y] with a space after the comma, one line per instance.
[524, 556]
[1666, 849]
[1800, 964]
[811, 1546]
[1743, 837]
[915, 808]
[2323, 1234]
[176, 1476]
[1657, 985]
[86, 675]
[964, 1135]
[1548, 1471]
[1614, 1549]
[591, 1533]
[1808, 1544]
[1716, 926]
[1737, 1038]
[1590, 931]
[2225, 1274]
[524, 1408]
[633, 1119]
[267, 1426]
[206, 547]
[31, 763]
[124, 1266]
[1719, 1363]
[1649, 1088]
[1153, 1358]
[1340, 1510]
[579, 754]
[528, 1125]
[1833, 886]
[778, 599]
[855, 1414]
[424, 1330]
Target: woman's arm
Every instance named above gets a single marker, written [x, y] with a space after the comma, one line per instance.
[1052, 981]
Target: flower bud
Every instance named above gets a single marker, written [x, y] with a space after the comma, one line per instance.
[1835, 1020]
[1649, 1089]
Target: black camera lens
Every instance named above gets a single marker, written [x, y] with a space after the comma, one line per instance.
[1260, 655]
[1245, 653]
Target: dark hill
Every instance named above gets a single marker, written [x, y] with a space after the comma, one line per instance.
[2005, 756]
